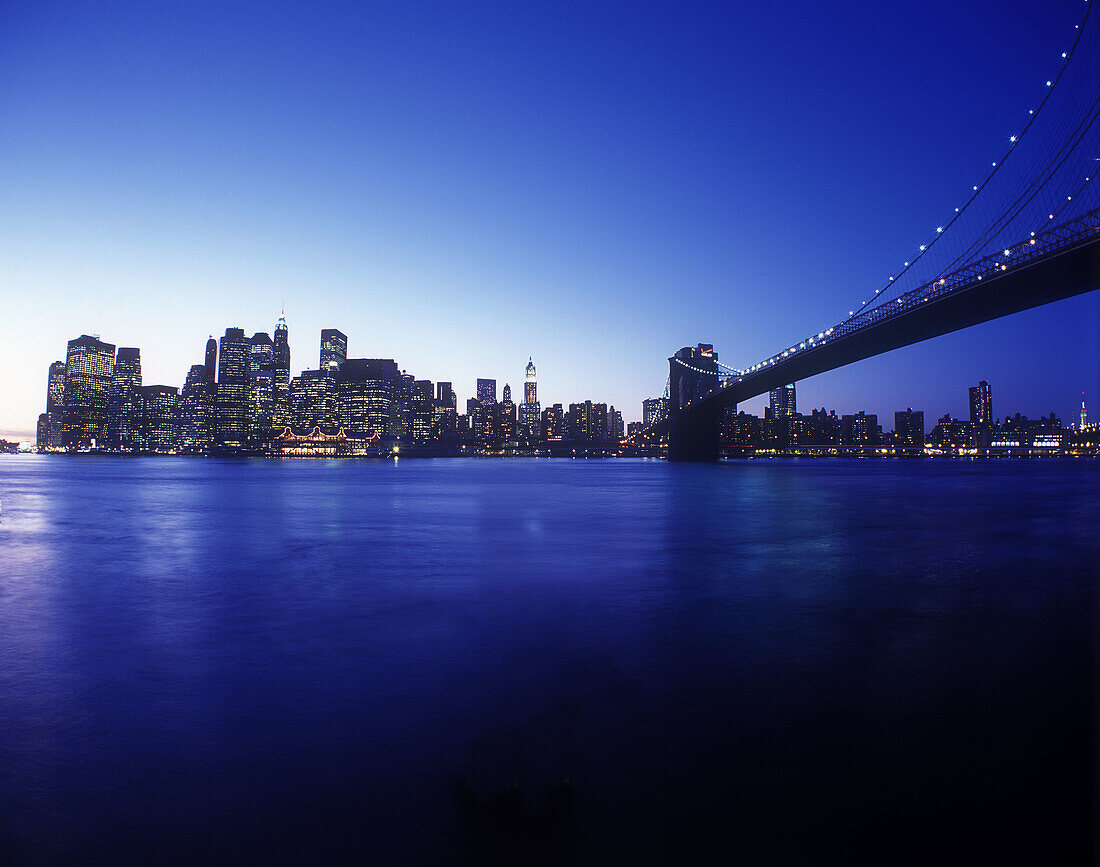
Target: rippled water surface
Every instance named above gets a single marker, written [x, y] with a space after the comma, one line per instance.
[762, 662]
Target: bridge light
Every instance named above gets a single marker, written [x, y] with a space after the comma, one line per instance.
[1033, 240]
[1012, 139]
[939, 229]
[906, 264]
[1050, 216]
[994, 165]
[975, 189]
[1048, 83]
[1063, 55]
[956, 210]
[1031, 111]
[1008, 252]
[922, 248]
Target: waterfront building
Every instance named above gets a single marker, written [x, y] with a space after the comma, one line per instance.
[423, 410]
[654, 410]
[231, 427]
[614, 424]
[55, 401]
[365, 391]
[312, 400]
[487, 391]
[950, 433]
[88, 369]
[981, 404]
[42, 432]
[782, 401]
[553, 423]
[334, 348]
[860, 430]
[587, 422]
[508, 421]
[159, 419]
[196, 412]
[124, 402]
[909, 427]
[529, 409]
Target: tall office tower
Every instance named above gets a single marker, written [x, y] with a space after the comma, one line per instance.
[280, 366]
[160, 424]
[529, 409]
[334, 348]
[422, 410]
[507, 416]
[55, 401]
[1084, 417]
[364, 391]
[908, 427]
[124, 402]
[42, 432]
[981, 404]
[486, 391]
[261, 390]
[552, 422]
[313, 400]
[88, 366]
[211, 359]
[401, 411]
[196, 412]
[654, 410]
[615, 431]
[445, 395]
[781, 401]
[231, 427]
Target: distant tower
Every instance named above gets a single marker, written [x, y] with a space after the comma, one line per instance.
[211, 359]
[124, 405]
[782, 401]
[486, 391]
[280, 357]
[529, 409]
[55, 400]
[88, 367]
[1084, 418]
[981, 404]
[334, 348]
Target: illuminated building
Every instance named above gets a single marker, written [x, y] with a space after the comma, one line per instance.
[422, 410]
[159, 425]
[261, 390]
[529, 409]
[507, 416]
[950, 433]
[781, 401]
[654, 410]
[487, 391]
[280, 366]
[334, 348]
[196, 412]
[313, 400]
[55, 400]
[586, 422]
[88, 367]
[364, 390]
[42, 432]
[909, 427]
[124, 402]
[552, 422]
[1084, 417]
[860, 429]
[981, 404]
[231, 427]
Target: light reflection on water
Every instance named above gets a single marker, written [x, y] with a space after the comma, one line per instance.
[214, 659]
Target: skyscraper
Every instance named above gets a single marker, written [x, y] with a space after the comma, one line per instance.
[507, 416]
[334, 348]
[232, 405]
[124, 402]
[55, 400]
[1084, 416]
[211, 359]
[981, 404]
[529, 409]
[654, 410]
[261, 390]
[365, 395]
[313, 400]
[781, 401]
[196, 412]
[486, 391]
[159, 422]
[88, 367]
[280, 366]
[909, 427]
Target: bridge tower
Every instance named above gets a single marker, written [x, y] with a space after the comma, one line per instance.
[692, 431]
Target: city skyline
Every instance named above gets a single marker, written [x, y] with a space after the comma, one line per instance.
[471, 203]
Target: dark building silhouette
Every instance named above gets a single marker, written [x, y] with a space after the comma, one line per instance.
[981, 404]
[89, 364]
[860, 429]
[231, 430]
[508, 417]
[159, 419]
[909, 427]
[124, 402]
[334, 348]
[951, 433]
[211, 360]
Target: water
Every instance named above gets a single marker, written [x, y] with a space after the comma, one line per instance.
[763, 662]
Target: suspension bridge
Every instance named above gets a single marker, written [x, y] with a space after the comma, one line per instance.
[1027, 234]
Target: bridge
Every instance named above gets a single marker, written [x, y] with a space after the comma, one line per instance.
[1027, 235]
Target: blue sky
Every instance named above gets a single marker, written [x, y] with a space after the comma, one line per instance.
[461, 186]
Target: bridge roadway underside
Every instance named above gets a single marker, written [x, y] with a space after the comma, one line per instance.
[693, 430]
